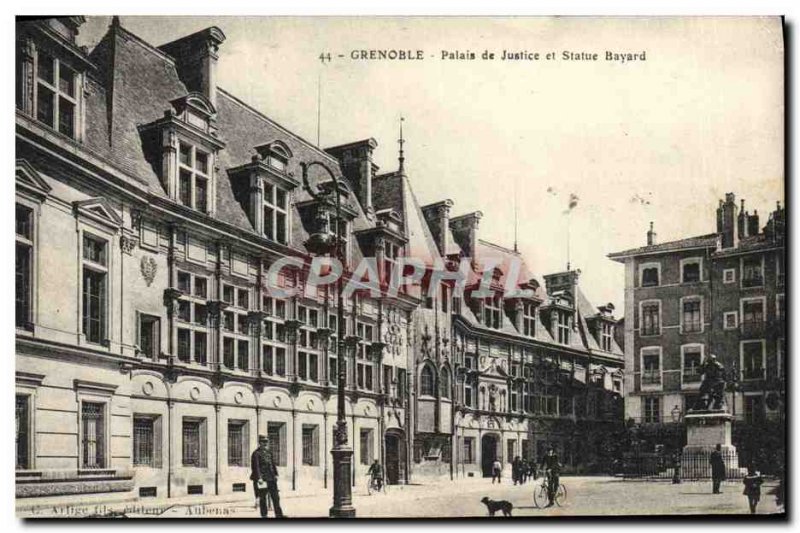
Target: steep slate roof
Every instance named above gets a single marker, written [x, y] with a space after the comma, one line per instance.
[701, 241]
[135, 82]
[752, 243]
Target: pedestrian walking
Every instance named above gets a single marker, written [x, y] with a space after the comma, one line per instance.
[516, 470]
[717, 469]
[552, 470]
[523, 471]
[265, 478]
[752, 487]
[497, 469]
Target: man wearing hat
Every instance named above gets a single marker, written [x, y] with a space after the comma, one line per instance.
[265, 478]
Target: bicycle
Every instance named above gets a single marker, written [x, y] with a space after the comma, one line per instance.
[375, 484]
[540, 499]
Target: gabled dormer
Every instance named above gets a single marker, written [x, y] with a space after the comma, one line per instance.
[264, 187]
[384, 241]
[601, 325]
[183, 147]
[523, 309]
[51, 72]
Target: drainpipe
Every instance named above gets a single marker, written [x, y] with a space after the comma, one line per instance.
[216, 449]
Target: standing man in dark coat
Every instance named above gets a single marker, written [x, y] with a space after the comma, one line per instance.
[515, 470]
[265, 478]
[552, 470]
[717, 469]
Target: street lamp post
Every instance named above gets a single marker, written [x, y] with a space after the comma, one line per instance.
[342, 453]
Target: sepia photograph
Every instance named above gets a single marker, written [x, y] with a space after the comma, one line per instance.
[400, 267]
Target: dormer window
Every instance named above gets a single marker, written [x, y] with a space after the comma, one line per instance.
[529, 319]
[56, 96]
[649, 275]
[193, 178]
[275, 213]
[606, 334]
[563, 326]
[492, 311]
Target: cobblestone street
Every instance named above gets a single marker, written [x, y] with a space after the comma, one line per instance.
[586, 496]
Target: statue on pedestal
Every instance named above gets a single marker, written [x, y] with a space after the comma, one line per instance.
[712, 388]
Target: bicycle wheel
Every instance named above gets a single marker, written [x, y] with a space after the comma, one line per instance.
[561, 495]
[540, 496]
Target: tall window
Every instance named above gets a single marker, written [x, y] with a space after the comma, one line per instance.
[365, 446]
[56, 94]
[444, 383]
[147, 441]
[273, 350]
[93, 434]
[780, 313]
[692, 358]
[752, 312]
[22, 416]
[275, 213]
[276, 433]
[149, 336]
[469, 450]
[426, 381]
[651, 409]
[692, 317]
[753, 360]
[391, 252]
[95, 272]
[492, 314]
[606, 336]
[364, 378]
[193, 318]
[194, 442]
[310, 445]
[651, 318]
[237, 442]
[24, 265]
[193, 175]
[651, 368]
[528, 319]
[752, 272]
[563, 326]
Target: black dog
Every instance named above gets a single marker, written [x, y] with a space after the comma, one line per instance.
[497, 505]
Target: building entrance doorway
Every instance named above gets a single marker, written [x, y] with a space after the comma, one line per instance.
[488, 453]
[395, 457]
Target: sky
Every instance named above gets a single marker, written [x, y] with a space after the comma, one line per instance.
[658, 140]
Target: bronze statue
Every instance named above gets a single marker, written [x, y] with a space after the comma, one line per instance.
[712, 388]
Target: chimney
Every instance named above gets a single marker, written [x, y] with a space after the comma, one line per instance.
[196, 60]
[729, 233]
[465, 232]
[357, 166]
[741, 221]
[752, 223]
[438, 217]
[719, 217]
[651, 235]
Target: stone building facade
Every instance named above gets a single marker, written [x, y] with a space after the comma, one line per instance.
[721, 293]
[152, 210]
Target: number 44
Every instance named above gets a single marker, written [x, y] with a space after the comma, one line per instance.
[325, 56]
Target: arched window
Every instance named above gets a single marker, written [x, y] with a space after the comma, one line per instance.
[426, 381]
[444, 383]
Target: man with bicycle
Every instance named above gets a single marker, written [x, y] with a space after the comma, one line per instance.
[376, 474]
[552, 469]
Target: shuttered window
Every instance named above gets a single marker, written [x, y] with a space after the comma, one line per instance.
[194, 442]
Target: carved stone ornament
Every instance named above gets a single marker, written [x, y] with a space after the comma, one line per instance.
[127, 243]
[149, 267]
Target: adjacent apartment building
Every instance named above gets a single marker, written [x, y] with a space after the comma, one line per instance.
[722, 293]
[150, 351]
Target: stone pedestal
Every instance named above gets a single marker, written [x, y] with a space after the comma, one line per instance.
[704, 430]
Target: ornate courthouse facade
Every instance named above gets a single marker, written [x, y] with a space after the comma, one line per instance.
[150, 208]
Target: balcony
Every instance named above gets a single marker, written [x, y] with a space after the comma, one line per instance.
[755, 280]
[750, 374]
[651, 378]
[692, 376]
[752, 329]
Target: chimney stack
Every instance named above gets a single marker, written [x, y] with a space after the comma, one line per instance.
[741, 221]
[357, 166]
[196, 60]
[465, 232]
[438, 217]
[651, 235]
[752, 223]
[727, 220]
